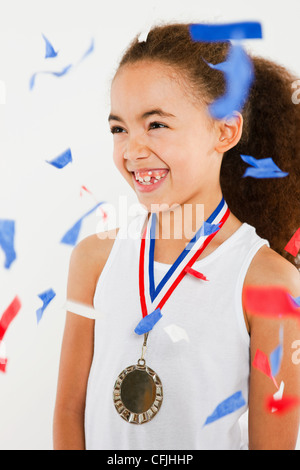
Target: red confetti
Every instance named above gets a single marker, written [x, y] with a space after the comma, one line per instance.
[272, 301]
[195, 273]
[261, 362]
[9, 315]
[293, 245]
[3, 363]
[282, 405]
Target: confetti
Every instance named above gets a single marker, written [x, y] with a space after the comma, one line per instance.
[64, 70]
[3, 364]
[231, 404]
[273, 301]
[282, 405]
[71, 236]
[8, 316]
[278, 395]
[46, 298]
[176, 333]
[195, 273]
[262, 168]
[62, 160]
[296, 301]
[148, 322]
[50, 51]
[293, 245]
[276, 355]
[239, 73]
[261, 362]
[7, 236]
[226, 31]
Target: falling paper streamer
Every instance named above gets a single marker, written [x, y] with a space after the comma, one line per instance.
[226, 31]
[148, 322]
[276, 355]
[84, 188]
[71, 236]
[262, 168]
[7, 237]
[261, 362]
[8, 316]
[46, 298]
[283, 405]
[50, 51]
[228, 406]
[82, 310]
[3, 364]
[64, 70]
[296, 301]
[278, 395]
[176, 333]
[62, 160]
[270, 301]
[239, 73]
[195, 273]
[293, 246]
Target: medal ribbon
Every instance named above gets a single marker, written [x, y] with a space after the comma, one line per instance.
[178, 270]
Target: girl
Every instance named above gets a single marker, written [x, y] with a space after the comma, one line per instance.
[176, 156]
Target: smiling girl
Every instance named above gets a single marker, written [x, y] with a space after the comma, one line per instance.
[175, 155]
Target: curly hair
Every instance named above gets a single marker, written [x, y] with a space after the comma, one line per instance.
[271, 128]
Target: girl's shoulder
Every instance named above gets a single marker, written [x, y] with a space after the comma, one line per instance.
[270, 268]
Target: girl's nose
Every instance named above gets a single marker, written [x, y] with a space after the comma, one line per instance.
[136, 149]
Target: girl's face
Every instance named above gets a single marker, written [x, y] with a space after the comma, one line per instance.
[162, 135]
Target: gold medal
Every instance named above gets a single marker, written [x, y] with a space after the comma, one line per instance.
[138, 392]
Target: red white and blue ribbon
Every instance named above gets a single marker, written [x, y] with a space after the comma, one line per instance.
[156, 297]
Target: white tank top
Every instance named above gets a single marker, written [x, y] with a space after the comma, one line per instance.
[207, 365]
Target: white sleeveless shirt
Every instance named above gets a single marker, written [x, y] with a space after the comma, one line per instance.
[207, 365]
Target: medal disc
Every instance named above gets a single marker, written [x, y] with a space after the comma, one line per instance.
[138, 393]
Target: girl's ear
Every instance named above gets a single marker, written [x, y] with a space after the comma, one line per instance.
[230, 131]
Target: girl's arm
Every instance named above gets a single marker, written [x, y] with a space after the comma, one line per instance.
[86, 263]
[267, 430]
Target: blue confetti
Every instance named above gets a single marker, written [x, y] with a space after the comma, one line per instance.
[239, 74]
[262, 168]
[276, 355]
[63, 71]
[62, 160]
[231, 404]
[296, 300]
[226, 31]
[50, 51]
[148, 322]
[7, 236]
[46, 298]
[71, 236]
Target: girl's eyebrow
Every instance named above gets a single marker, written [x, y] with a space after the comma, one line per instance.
[157, 111]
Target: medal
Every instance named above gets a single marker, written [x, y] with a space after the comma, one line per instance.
[138, 391]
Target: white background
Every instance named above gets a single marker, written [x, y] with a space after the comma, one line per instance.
[71, 112]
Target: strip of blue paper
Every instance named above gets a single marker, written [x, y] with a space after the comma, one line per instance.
[231, 404]
[148, 322]
[7, 240]
[262, 168]
[71, 236]
[50, 51]
[62, 160]
[206, 229]
[226, 31]
[46, 298]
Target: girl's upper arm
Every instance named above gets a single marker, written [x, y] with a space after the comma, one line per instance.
[269, 430]
[86, 263]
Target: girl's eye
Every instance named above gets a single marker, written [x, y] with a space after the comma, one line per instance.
[157, 125]
[116, 130]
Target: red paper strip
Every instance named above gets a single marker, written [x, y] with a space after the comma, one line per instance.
[195, 273]
[273, 301]
[293, 245]
[261, 362]
[9, 315]
[3, 362]
[283, 405]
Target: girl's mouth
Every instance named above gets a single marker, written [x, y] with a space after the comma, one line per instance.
[149, 180]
